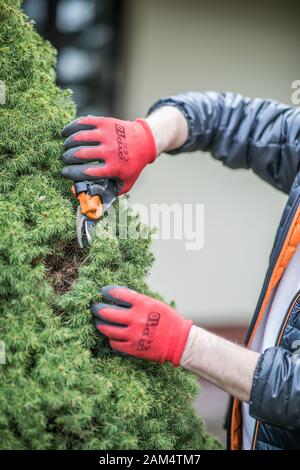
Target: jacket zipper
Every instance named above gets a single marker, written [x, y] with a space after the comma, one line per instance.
[274, 256]
[278, 342]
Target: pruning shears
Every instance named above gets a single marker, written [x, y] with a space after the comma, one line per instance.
[94, 198]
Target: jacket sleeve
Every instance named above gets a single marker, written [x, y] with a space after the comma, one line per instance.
[275, 394]
[243, 133]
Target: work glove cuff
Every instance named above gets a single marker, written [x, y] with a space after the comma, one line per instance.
[179, 341]
[150, 141]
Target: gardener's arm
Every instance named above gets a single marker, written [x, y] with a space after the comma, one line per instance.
[243, 133]
[149, 329]
[226, 364]
[146, 328]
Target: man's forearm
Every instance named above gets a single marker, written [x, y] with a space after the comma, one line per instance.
[226, 364]
[169, 128]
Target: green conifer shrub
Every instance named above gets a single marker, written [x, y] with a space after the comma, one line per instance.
[62, 387]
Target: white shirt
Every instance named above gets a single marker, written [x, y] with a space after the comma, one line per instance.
[268, 330]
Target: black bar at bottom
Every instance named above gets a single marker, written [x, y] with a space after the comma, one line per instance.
[136, 459]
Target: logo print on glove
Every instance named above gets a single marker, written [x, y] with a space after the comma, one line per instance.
[122, 144]
[146, 340]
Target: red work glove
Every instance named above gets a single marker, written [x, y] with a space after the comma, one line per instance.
[141, 326]
[100, 147]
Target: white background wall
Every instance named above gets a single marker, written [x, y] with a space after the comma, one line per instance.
[174, 46]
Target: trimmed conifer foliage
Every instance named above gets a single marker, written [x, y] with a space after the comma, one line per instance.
[62, 387]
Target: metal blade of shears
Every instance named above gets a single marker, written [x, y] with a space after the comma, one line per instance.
[84, 228]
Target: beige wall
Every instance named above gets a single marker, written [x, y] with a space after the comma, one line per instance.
[173, 46]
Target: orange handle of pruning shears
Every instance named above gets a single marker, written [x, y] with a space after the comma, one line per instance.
[91, 206]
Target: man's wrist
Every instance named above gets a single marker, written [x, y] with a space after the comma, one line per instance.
[169, 127]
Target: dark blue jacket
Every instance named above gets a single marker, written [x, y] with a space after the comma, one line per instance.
[265, 136]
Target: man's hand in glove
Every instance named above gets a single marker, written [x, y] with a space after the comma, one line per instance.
[102, 147]
[141, 326]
